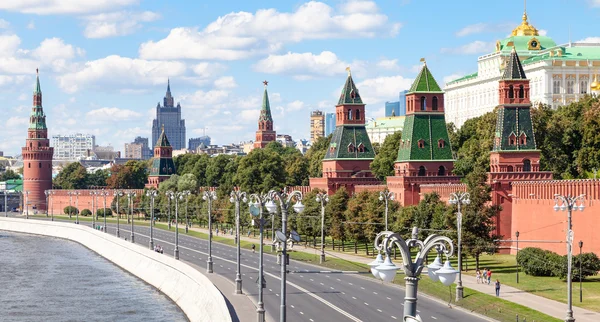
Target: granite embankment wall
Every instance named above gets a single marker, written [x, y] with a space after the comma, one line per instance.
[193, 292]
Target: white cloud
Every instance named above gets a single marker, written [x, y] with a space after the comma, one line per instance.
[4, 24]
[381, 89]
[302, 65]
[206, 70]
[594, 3]
[543, 32]
[225, 82]
[52, 49]
[46, 7]
[116, 23]
[593, 40]
[388, 64]
[475, 47]
[9, 45]
[484, 27]
[240, 35]
[17, 122]
[209, 100]
[294, 106]
[452, 77]
[121, 73]
[111, 114]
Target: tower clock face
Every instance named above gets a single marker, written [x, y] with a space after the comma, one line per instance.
[534, 44]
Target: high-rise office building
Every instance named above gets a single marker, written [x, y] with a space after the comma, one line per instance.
[194, 143]
[317, 125]
[329, 123]
[72, 147]
[169, 116]
[396, 108]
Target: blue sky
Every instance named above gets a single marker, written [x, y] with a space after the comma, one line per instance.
[104, 64]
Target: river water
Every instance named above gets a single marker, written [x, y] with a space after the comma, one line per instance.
[50, 279]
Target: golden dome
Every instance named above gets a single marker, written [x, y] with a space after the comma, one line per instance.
[594, 86]
[525, 29]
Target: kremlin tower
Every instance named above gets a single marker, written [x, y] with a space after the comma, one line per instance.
[265, 133]
[162, 165]
[37, 155]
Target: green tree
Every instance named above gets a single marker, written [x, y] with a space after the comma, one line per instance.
[187, 182]
[98, 178]
[100, 212]
[363, 218]
[334, 214]
[70, 210]
[260, 171]
[474, 141]
[72, 176]
[383, 164]
[86, 212]
[315, 156]
[132, 175]
[170, 184]
[308, 222]
[9, 175]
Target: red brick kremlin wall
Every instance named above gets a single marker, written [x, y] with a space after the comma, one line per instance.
[59, 199]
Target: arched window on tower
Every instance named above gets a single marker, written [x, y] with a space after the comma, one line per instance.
[521, 91]
[441, 171]
[349, 114]
[357, 114]
[511, 92]
[29, 165]
[509, 168]
[526, 165]
[40, 165]
[434, 103]
[421, 171]
[423, 103]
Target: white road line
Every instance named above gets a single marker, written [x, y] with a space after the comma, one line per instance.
[339, 280]
[389, 298]
[379, 310]
[433, 317]
[332, 288]
[354, 297]
[321, 283]
[367, 304]
[302, 313]
[350, 284]
[375, 293]
[292, 306]
[395, 318]
[362, 288]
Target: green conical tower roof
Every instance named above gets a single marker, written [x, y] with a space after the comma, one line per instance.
[514, 69]
[350, 95]
[37, 120]
[265, 111]
[424, 82]
[162, 139]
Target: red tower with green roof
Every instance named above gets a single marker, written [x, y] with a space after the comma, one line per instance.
[347, 161]
[515, 156]
[162, 165]
[425, 153]
[265, 133]
[37, 155]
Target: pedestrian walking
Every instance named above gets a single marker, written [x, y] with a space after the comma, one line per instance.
[497, 284]
[217, 231]
[253, 248]
[478, 276]
[484, 276]
[489, 276]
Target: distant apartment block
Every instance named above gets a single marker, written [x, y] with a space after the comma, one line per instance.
[138, 149]
[194, 143]
[317, 125]
[72, 147]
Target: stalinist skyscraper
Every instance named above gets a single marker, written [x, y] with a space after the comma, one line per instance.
[169, 115]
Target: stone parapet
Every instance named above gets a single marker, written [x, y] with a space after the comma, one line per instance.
[59, 199]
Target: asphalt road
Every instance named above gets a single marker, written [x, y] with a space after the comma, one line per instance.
[310, 296]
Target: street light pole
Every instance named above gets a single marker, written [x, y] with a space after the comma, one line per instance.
[187, 223]
[118, 194]
[92, 193]
[517, 235]
[77, 193]
[412, 268]
[169, 219]
[209, 196]
[386, 196]
[130, 195]
[259, 202]
[104, 193]
[27, 204]
[570, 204]
[285, 200]
[70, 193]
[323, 198]
[459, 198]
[52, 192]
[176, 196]
[5, 202]
[580, 261]
[152, 194]
[235, 197]
[47, 193]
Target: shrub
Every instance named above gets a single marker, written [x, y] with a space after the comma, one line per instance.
[86, 212]
[590, 265]
[100, 212]
[538, 262]
[70, 210]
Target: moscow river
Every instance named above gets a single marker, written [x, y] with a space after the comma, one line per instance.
[49, 279]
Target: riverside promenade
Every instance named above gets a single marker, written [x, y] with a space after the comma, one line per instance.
[538, 303]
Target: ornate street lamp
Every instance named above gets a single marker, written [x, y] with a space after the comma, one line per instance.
[130, 195]
[93, 194]
[117, 194]
[235, 197]
[517, 235]
[459, 198]
[580, 270]
[187, 223]
[569, 204]
[47, 193]
[76, 193]
[256, 210]
[386, 196]
[176, 196]
[387, 240]
[152, 194]
[323, 198]
[104, 193]
[285, 200]
[209, 196]
[70, 194]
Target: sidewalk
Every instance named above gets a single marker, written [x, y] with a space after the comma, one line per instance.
[538, 303]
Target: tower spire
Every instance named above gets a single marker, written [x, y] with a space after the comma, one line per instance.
[169, 101]
[38, 88]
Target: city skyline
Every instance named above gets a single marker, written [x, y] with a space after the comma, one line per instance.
[105, 66]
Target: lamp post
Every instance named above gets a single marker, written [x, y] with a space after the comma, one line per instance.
[386, 271]
[285, 200]
[77, 193]
[459, 198]
[386, 196]
[47, 193]
[235, 197]
[5, 202]
[517, 235]
[70, 194]
[187, 223]
[580, 261]
[169, 218]
[256, 210]
[130, 195]
[272, 232]
[118, 194]
[52, 192]
[104, 193]
[323, 198]
[209, 196]
[93, 193]
[26, 204]
[176, 196]
[152, 194]
[569, 204]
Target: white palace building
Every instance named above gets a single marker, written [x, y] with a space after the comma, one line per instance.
[558, 74]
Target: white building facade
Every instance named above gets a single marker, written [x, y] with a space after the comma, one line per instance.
[72, 147]
[558, 74]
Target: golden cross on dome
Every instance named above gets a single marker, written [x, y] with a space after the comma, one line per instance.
[266, 83]
[348, 70]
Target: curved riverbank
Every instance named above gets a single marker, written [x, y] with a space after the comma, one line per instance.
[197, 297]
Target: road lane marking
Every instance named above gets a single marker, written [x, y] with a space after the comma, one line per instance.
[395, 318]
[379, 310]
